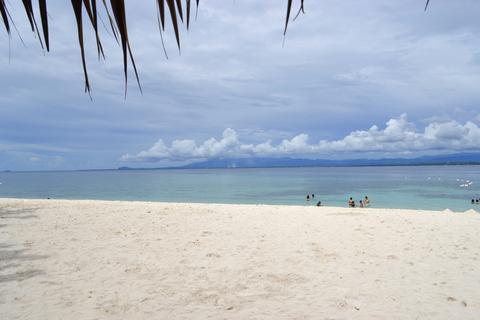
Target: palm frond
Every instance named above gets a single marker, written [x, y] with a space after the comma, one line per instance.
[161, 9]
[118, 8]
[42, 4]
[31, 18]
[300, 10]
[116, 13]
[3, 12]
[189, 4]
[91, 9]
[173, 15]
[180, 10]
[287, 19]
[110, 20]
[77, 8]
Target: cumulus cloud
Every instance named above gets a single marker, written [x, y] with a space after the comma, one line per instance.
[398, 136]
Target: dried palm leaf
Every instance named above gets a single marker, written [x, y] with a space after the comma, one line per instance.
[77, 8]
[118, 8]
[189, 4]
[3, 12]
[289, 10]
[31, 18]
[116, 14]
[91, 9]
[179, 7]
[300, 10]
[112, 24]
[173, 15]
[42, 4]
[161, 9]
[196, 10]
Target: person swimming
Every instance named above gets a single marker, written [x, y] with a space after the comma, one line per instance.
[319, 203]
[308, 197]
[361, 204]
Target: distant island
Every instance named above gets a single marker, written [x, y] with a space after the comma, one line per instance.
[220, 163]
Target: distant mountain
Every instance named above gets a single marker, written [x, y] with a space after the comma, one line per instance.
[451, 159]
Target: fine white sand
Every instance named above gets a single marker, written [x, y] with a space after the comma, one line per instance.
[139, 260]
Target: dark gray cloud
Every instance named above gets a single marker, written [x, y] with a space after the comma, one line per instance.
[344, 67]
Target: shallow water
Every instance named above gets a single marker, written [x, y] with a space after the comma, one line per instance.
[422, 187]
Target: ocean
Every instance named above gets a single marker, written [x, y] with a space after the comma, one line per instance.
[409, 187]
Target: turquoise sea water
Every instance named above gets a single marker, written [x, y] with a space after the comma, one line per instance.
[423, 187]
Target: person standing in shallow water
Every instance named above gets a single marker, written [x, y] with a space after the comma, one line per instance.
[308, 197]
[366, 201]
[351, 203]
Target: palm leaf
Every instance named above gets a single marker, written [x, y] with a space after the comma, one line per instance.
[110, 20]
[289, 10]
[3, 12]
[161, 9]
[118, 22]
[173, 15]
[118, 8]
[189, 4]
[31, 18]
[180, 10]
[426, 5]
[77, 9]
[300, 10]
[42, 4]
[91, 9]
[196, 10]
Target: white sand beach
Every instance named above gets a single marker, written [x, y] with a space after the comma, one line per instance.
[140, 260]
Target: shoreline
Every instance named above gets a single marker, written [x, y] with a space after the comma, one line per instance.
[69, 259]
[477, 211]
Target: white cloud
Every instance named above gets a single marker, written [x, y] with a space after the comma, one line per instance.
[398, 136]
[188, 149]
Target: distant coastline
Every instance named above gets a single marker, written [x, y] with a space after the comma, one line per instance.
[457, 159]
[239, 163]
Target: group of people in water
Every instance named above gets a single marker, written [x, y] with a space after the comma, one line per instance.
[362, 204]
[312, 196]
[475, 201]
[351, 203]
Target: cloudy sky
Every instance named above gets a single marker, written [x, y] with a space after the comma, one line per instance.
[363, 78]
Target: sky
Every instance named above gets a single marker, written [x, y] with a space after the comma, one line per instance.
[351, 79]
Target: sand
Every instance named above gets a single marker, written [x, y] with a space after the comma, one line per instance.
[140, 260]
